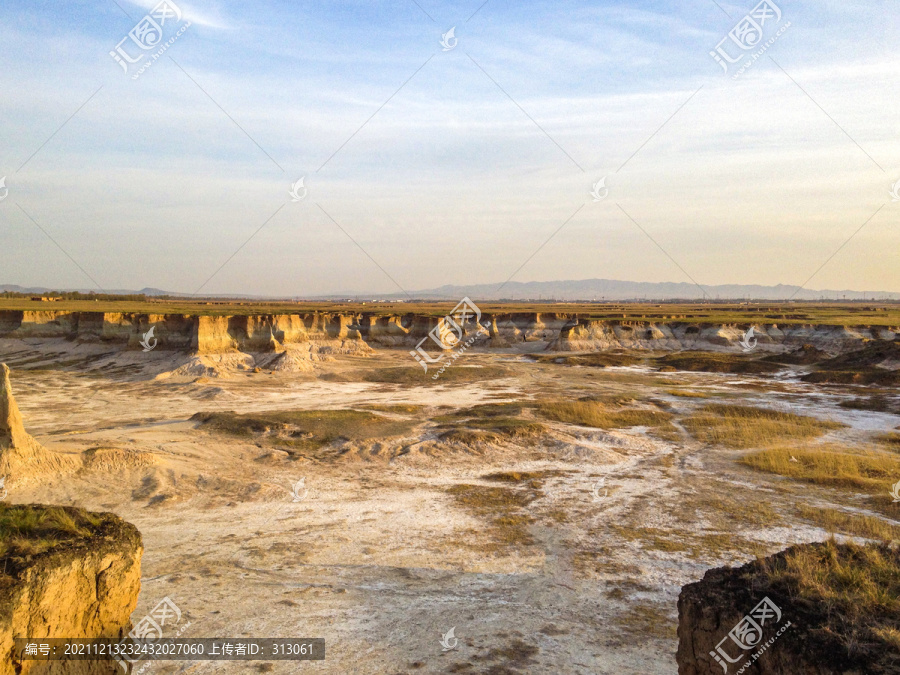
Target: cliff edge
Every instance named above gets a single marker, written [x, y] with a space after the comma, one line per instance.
[67, 573]
[813, 609]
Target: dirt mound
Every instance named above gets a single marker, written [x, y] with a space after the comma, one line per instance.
[492, 430]
[887, 378]
[306, 433]
[807, 355]
[290, 361]
[209, 365]
[21, 457]
[877, 403]
[596, 359]
[886, 354]
[116, 459]
[877, 363]
[713, 362]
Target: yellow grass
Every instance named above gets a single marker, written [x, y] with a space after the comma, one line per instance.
[29, 530]
[502, 507]
[835, 521]
[858, 586]
[694, 545]
[492, 430]
[891, 440]
[736, 426]
[414, 375]
[396, 408]
[871, 472]
[596, 414]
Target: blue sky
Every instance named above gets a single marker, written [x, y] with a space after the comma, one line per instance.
[152, 183]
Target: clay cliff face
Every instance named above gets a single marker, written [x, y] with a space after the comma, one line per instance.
[21, 457]
[263, 333]
[85, 589]
[591, 335]
[12, 428]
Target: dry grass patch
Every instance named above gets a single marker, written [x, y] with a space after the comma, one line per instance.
[471, 438]
[396, 408]
[594, 359]
[643, 618]
[652, 538]
[697, 546]
[722, 509]
[603, 562]
[891, 440]
[597, 414]
[456, 373]
[871, 472]
[488, 423]
[485, 410]
[630, 378]
[534, 478]
[865, 376]
[850, 594]
[738, 426]
[669, 433]
[28, 530]
[491, 431]
[560, 516]
[876, 402]
[834, 521]
[682, 393]
[502, 508]
[620, 399]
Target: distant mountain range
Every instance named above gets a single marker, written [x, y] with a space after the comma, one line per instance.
[586, 290]
[619, 291]
[38, 290]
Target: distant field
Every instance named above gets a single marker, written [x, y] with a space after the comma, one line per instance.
[762, 313]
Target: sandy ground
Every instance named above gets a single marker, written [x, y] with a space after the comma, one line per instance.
[375, 555]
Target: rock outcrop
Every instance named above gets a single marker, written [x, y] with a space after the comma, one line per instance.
[85, 586]
[813, 609]
[356, 332]
[22, 457]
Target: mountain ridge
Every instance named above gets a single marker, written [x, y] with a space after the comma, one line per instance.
[586, 290]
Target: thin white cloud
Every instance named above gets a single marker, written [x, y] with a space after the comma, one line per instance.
[209, 16]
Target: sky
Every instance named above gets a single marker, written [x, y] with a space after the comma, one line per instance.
[466, 161]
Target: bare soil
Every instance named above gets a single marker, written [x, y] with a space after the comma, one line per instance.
[548, 547]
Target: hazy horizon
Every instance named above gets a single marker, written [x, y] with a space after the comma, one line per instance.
[563, 290]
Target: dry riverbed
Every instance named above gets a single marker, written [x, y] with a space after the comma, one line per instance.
[548, 513]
